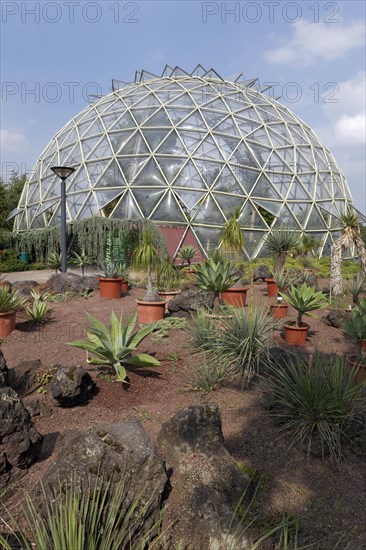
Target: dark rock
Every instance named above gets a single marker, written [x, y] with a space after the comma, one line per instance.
[25, 287]
[23, 376]
[190, 300]
[72, 282]
[336, 317]
[261, 272]
[206, 483]
[38, 407]
[119, 452]
[20, 443]
[73, 386]
[4, 373]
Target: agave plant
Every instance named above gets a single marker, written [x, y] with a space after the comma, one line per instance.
[304, 299]
[216, 275]
[356, 286]
[54, 261]
[187, 253]
[114, 347]
[39, 307]
[81, 260]
[283, 279]
[113, 270]
[355, 325]
[10, 300]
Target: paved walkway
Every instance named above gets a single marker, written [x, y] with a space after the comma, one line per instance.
[42, 275]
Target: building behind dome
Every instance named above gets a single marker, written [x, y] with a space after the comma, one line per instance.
[186, 150]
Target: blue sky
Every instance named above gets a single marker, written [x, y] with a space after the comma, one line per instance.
[53, 53]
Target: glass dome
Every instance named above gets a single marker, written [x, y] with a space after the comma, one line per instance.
[186, 150]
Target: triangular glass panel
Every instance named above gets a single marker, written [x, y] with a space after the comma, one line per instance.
[212, 118]
[233, 104]
[74, 203]
[126, 208]
[276, 164]
[226, 145]
[300, 210]
[302, 164]
[276, 139]
[189, 177]
[130, 167]
[207, 237]
[168, 210]
[286, 218]
[208, 170]
[67, 137]
[64, 153]
[321, 190]
[217, 105]
[209, 149]
[287, 154]
[260, 136]
[95, 129]
[155, 137]
[308, 183]
[95, 170]
[172, 145]
[176, 114]
[90, 208]
[88, 144]
[105, 197]
[149, 100]
[101, 150]
[75, 156]
[78, 181]
[328, 207]
[296, 136]
[250, 218]
[228, 203]
[83, 127]
[112, 177]
[191, 139]
[33, 192]
[315, 220]
[106, 103]
[254, 158]
[49, 187]
[119, 139]
[252, 242]
[147, 198]
[246, 126]
[134, 146]
[227, 126]
[246, 178]
[189, 200]
[208, 212]
[159, 119]
[150, 175]
[170, 166]
[142, 115]
[268, 114]
[194, 122]
[228, 183]
[250, 113]
[124, 121]
[282, 183]
[297, 192]
[264, 188]
[182, 100]
[271, 206]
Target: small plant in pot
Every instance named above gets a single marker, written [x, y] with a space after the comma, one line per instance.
[111, 280]
[216, 275]
[187, 254]
[10, 302]
[304, 299]
[280, 243]
[147, 257]
[283, 280]
[355, 327]
[169, 280]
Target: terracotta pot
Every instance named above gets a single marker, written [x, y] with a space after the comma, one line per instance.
[5, 283]
[7, 323]
[279, 311]
[353, 362]
[296, 336]
[124, 287]
[235, 296]
[149, 312]
[272, 288]
[168, 295]
[110, 289]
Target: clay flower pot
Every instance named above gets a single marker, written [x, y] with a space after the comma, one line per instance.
[168, 295]
[7, 323]
[149, 312]
[296, 336]
[279, 311]
[109, 288]
[235, 296]
[124, 286]
[272, 288]
[352, 362]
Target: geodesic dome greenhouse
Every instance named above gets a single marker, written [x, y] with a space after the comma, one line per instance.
[185, 150]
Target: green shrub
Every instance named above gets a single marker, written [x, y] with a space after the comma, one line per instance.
[315, 400]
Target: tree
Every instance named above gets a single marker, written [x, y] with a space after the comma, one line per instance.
[350, 237]
[9, 198]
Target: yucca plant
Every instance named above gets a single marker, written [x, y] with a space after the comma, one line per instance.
[356, 286]
[147, 256]
[113, 270]
[187, 253]
[54, 261]
[10, 300]
[304, 299]
[315, 400]
[280, 242]
[81, 260]
[115, 346]
[98, 517]
[216, 274]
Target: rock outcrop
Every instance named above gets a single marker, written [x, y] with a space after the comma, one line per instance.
[72, 386]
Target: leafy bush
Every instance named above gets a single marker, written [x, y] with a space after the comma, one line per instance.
[315, 400]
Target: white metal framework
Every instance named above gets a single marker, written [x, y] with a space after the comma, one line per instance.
[186, 149]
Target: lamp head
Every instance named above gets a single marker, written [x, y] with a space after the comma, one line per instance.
[63, 172]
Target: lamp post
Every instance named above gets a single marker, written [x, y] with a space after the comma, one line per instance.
[63, 172]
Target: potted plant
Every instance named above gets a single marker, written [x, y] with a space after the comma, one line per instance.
[216, 275]
[282, 280]
[187, 254]
[280, 242]
[169, 280]
[356, 286]
[304, 299]
[111, 280]
[146, 257]
[10, 302]
[355, 326]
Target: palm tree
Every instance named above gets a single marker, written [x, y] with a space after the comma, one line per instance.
[232, 238]
[350, 236]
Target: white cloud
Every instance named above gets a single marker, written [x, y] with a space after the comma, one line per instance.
[351, 128]
[12, 142]
[312, 42]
